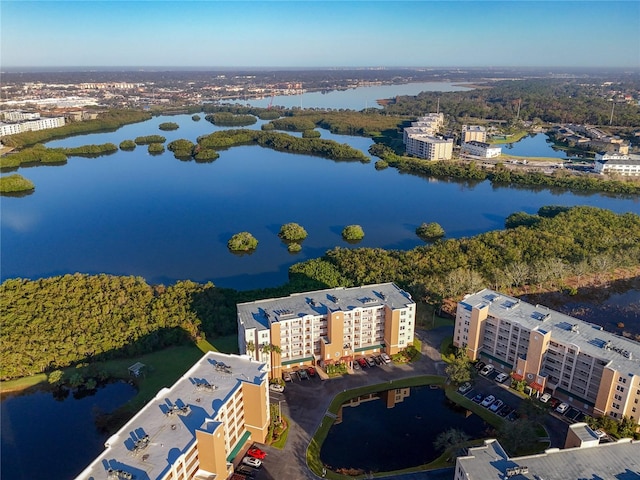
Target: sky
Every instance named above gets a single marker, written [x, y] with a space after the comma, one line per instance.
[262, 33]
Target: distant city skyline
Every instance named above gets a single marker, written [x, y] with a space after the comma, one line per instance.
[263, 34]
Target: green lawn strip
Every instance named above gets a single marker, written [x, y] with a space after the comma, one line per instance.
[22, 383]
[446, 349]
[484, 413]
[282, 439]
[505, 156]
[313, 451]
[516, 137]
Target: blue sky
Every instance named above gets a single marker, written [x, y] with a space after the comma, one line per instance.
[320, 33]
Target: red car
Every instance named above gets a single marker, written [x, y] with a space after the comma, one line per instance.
[255, 452]
[362, 362]
[311, 371]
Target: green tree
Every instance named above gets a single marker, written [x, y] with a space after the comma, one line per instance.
[56, 377]
[430, 231]
[294, 247]
[459, 369]
[292, 232]
[242, 242]
[517, 436]
[451, 439]
[353, 232]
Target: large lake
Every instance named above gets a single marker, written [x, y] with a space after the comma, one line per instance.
[131, 213]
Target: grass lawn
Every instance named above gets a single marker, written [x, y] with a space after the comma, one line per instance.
[426, 317]
[511, 138]
[22, 383]
[446, 349]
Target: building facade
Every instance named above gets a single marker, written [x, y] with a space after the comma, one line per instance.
[326, 326]
[31, 125]
[428, 147]
[617, 164]
[193, 429]
[480, 149]
[473, 133]
[579, 362]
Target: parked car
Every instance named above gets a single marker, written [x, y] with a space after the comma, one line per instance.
[252, 462]
[378, 360]
[276, 387]
[311, 371]
[563, 407]
[303, 374]
[246, 471]
[464, 388]
[488, 401]
[486, 370]
[479, 366]
[385, 358]
[495, 406]
[286, 376]
[478, 398]
[356, 366]
[506, 410]
[501, 377]
[600, 433]
[554, 402]
[371, 362]
[545, 397]
[255, 452]
[363, 363]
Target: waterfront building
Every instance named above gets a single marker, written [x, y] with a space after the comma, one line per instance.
[429, 147]
[616, 163]
[578, 362]
[429, 124]
[473, 133]
[18, 116]
[326, 327]
[193, 429]
[480, 149]
[614, 460]
[31, 125]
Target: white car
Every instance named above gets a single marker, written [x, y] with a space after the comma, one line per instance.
[276, 387]
[495, 406]
[501, 377]
[488, 401]
[563, 407]
[486, 370]
[464, 388]
[385, 358]
[286, 376]
[252, 462]
[545, 397]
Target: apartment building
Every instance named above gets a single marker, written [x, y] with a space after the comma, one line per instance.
[430, 124]
[18, 116]
[31, 125]
[617, 164]
[604, 461]
[593, 370]
[480, 149]
[326, 326]
[193, 429]
[473, 133]
[429, 148]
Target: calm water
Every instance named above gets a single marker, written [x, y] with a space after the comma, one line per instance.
[130, 213]
[537, 145]
[49, 439]
[400, 437]
[352, 99]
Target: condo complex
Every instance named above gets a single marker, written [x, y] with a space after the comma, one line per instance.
[193, 429]
[326, 327]
[579, 362]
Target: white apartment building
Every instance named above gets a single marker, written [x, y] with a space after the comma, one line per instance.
[429, 147]
[194, 429]
[592, 369]
[616, 163]
[473, 133]
[480, 149]
[429, 124]
[326, 327]
[18, 116]
[31, 125]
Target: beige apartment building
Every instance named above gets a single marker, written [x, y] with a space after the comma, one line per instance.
[578, 362]
[429, 147]
[326, 327]
[193, 429]
[473, 133]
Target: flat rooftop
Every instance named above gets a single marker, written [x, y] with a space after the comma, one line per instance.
[165, 427]
[262, 313]
[621, 353]
[607, 461]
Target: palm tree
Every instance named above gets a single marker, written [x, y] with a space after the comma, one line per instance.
[251, 347]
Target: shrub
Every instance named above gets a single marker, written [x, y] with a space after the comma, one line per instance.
[353, 232]
[15, 183]
[150, 139]
[381, 165]
[294, 247]
[311, 134]
[242, 242]
[155, 148]
[195, 118]
[430, 231]
[292, 232]
[127, 145]
[168, 126]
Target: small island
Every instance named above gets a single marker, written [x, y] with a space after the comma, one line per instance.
[155, 148]
[148, 139]
[167, 126]
[242, 242]
[353, 233]
[430, 231]
[292, 232]
[15, 184]
[127, 145]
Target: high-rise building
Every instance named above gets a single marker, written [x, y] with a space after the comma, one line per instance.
[325, 327]
[473, 133]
